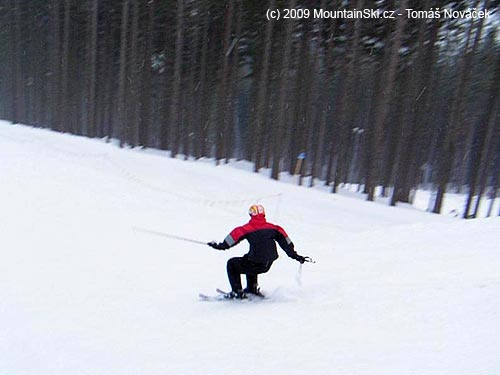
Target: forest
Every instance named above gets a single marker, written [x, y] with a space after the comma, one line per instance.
[392, 104]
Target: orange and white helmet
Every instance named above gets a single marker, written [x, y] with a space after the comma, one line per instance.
[256, 210]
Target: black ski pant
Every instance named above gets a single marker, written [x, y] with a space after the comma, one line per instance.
[241, 265]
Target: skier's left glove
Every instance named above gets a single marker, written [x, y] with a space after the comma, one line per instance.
[302, 259]
[218, 246]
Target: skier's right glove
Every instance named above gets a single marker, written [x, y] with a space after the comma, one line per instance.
[218, 246]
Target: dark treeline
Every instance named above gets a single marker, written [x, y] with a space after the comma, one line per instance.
[391, 103]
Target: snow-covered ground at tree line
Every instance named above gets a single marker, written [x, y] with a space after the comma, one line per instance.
[394, 291]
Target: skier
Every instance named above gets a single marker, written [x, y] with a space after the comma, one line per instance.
[262, 236]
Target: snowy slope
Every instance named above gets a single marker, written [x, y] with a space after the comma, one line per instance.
[394, 290]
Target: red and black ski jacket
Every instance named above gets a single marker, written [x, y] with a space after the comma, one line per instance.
[262, 237]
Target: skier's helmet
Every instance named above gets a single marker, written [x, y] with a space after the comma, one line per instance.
[256, 210]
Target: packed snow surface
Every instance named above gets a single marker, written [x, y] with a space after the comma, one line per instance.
[84, 290]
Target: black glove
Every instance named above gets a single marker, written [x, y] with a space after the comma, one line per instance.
[218, 246]
[302, 259]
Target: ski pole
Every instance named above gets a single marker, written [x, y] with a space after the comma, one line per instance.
[168, 235]
[298, 276]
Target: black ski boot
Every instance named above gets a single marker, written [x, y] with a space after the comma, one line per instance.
[236, 295]
[255, 290]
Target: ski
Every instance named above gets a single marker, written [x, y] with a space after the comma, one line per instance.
[222, 295]
[249, 296]
[205, 297]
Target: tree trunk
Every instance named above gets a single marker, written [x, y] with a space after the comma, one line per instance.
[279, 126]
[192, 100]
[203, 112]
[495, 183]
[146, 86]
[487, 145]
[347, 103]
[423, 114]
[301, 89]
[133, 97]
[447, 154]
[63, 106]
[325, 106]
[120, 125]
[222, 118]
[91, 100]
[55, 65]
[316, 139]
[16, 78]
[262, 97]
[382, 110]
[232, 102]
[416, 103]
[175, 103]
